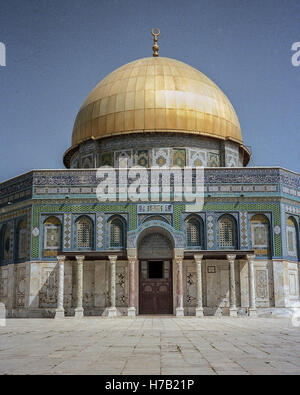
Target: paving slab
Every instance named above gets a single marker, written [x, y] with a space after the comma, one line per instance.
[150, 345]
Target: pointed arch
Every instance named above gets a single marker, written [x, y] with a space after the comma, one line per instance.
[51, 236]
[194, 231]
[117, 232]
[5, 243]
[260, 235]
[292, 237]
[156, 218]
[21, 238]
[227, 232]
[84, 233]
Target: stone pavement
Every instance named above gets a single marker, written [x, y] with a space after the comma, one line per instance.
[150, 345]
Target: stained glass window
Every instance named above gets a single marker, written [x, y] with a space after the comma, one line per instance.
[260, 238]
[5, 243]
[291, 237]
[193, 233]
[116, 233]
[84, 232]
[52, 236]
[22, 240]
[226, 232]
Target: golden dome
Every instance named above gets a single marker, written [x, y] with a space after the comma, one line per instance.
[156, 94]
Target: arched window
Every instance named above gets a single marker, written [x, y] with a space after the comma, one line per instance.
[227, 232]
[117, 233]
[260, 235]
[22, 240]
[291, 237]
[156, 218]
[5, 243]
[193, 232]
[84, 232]
[52, 236]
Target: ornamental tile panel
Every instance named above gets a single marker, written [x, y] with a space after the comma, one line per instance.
[100, 231]
[67, 231]
[244, 229]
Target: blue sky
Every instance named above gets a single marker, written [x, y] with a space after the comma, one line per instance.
[57, 51]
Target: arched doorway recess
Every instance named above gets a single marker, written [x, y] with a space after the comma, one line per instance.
[155, 253]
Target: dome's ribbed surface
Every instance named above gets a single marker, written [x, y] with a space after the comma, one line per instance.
[156, 95]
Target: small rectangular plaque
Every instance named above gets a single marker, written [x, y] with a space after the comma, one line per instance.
[211, 269]
[155, 208]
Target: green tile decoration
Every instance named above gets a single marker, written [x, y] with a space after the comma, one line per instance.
[131, 210]
[259, 207]
[179, 157]
[178, 209]
[79, 208]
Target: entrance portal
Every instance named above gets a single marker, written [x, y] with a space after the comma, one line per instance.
[156, 287]
[155, 254]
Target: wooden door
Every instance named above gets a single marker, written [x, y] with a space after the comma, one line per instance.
[156, 296]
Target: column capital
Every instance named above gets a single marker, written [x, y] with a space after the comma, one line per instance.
[113, 258]
[198, 258]
[250, 257]
[230, 257]
[61, 258]
[178, 259]
[80, 258]
[132, 259]
[132, 252]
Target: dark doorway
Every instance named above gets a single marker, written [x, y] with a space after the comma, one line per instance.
[156, 296]
[155, 269]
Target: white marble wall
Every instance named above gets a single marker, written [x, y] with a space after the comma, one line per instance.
[215, 275]
[30, 289]
[286, 283]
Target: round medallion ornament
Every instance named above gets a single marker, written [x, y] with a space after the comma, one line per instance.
[277, 230]
[35, 232]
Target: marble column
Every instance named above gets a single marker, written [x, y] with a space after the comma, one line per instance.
[131, 309]
[60, 312]
[179, 308]
[112, 310]
[252, 301]
[79, 286]
[232, 309]
[11, 290]
[199, 307]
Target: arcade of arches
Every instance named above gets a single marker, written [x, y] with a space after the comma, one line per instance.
[160, 275]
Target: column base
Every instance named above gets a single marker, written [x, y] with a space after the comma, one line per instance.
[111, 312]
[59, 313]
[78, 313]
[199, 312]
[179, 312]
[252, 312]
[131, 312]
[233, 312]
